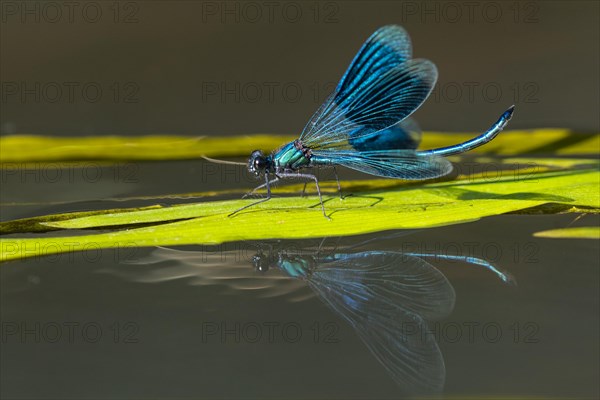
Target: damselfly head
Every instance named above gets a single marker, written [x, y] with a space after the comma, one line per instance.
[257, 163]
[261, 262]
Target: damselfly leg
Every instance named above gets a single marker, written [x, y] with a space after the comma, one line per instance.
[253, 191]
[337, 179]
[307, 176]
[267, 184]
[279, 176]
[338, 182]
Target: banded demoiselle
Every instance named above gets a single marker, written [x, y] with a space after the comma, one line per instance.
[364, 124]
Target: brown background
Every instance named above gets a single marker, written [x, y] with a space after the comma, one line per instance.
[542, 55]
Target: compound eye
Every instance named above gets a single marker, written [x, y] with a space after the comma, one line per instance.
[259, 264]
[256, 161]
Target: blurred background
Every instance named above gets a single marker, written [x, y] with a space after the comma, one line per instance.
[235, 67]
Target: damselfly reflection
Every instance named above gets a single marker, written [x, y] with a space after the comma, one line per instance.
[387, 297]
[364, 124]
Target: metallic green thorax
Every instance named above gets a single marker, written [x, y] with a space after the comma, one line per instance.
[291, 156]
[296, 266]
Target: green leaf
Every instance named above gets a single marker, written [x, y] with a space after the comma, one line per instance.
[583, 232]
[29, 148]
[375, 205]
